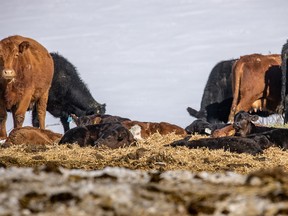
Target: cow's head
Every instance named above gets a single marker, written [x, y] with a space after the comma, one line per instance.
[10, 53]
[243, 123]
[86, 120]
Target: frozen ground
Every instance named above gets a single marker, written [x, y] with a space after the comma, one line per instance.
[148, 60]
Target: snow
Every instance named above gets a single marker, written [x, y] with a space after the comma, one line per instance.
[147, 60]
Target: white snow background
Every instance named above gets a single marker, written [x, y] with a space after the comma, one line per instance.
[147, 59]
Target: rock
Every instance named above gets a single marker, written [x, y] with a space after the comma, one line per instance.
[120, 191]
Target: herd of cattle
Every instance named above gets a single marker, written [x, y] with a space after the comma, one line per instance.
[34, 79]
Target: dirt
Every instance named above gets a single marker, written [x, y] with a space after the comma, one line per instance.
[146, 179]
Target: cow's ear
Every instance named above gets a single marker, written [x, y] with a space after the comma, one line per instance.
[23, 46]
[254, 118]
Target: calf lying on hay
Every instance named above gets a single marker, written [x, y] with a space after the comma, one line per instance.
[249, 138]
[31, 135]
[112, 135]
[146, 128]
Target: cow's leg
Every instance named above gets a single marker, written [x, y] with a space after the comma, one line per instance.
[19, 112]
[3, 118]
[41, 109]
[245, 104]
[65, 123]
[35, 120]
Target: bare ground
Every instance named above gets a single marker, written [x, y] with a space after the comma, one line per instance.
[146, 179]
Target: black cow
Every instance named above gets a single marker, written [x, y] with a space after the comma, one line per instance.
[217, 96]
[68, 94]
[235, 144]
[284, 90]
[244, 126]
[112, 135]
[201, 126]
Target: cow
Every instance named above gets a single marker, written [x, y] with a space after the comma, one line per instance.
[68, 94]
[217, 96]
[201, 126]
[113, 135]
[256, 79]
[242, 126]
[235, 144]
[246, 137]
[96, 119]
[26, 74]
[31, 136]
[147, 128]
[284, 90]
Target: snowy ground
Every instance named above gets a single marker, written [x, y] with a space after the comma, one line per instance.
[148, 60]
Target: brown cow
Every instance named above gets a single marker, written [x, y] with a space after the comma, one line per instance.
[26, 74]
[31, 135]
[256, 81]
[149, 128]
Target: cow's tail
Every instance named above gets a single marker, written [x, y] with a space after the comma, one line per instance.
[192, 112]
[283, 89]
[195, 113]
[237, 71]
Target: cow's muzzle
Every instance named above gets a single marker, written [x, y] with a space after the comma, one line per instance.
[8, 74]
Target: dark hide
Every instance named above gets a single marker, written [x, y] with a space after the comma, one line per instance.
[112, 135]
[252, 146]
[217, 96]
[276, 136]
[248, 138]
[96, 119]
[201, 126]
[284, 89]
[243, 124]
[68, 94]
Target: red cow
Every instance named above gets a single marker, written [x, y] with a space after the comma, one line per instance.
[26, 72]
[256, 81]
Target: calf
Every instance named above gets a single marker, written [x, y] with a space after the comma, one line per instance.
[96, 119]
[112, 135]
[252, 146]
[201, 126]
[26, 70]
[68, 94]
[242, 126]
[147, 128]
[31, 136]
[256, 79]
[249, 138]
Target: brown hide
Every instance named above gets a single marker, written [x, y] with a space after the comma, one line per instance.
[256, 81]
[225, 131]
[26, 71]
[149, 128]
[31, 135]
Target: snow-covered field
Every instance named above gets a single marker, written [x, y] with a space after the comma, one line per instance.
[147, 59]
